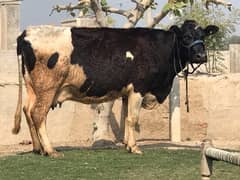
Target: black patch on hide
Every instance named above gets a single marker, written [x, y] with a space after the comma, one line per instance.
[24, 47]
[52, 60]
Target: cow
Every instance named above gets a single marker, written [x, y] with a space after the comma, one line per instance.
[95, 65]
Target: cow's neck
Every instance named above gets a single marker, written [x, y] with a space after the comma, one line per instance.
[179, 58]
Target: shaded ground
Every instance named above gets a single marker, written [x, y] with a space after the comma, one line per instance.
[143, 143]
[21, 148]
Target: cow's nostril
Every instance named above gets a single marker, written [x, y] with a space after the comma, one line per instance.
[201, 55]
[198, 56]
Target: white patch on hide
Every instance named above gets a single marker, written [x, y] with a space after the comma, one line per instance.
[49, 39]
[129, 55]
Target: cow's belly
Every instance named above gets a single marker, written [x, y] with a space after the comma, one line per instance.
[73, 94]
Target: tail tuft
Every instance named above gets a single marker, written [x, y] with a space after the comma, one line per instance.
[16, 130]
[17, 122]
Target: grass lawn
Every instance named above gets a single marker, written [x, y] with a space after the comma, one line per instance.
[113, 165]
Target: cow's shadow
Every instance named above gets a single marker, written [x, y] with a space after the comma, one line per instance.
[143, 144]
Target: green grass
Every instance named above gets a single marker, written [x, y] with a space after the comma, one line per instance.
[113, 165]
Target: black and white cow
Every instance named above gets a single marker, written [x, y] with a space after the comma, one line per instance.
[95, 65]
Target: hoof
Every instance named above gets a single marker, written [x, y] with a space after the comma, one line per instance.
[16, 130]
[128, 148]
[135, 150]
[37, 151]
[125, 142]
[56, 154]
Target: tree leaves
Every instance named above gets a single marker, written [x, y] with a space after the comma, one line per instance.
[175, 7]
[104, 3]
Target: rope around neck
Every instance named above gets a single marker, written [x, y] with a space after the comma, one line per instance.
[185, 70]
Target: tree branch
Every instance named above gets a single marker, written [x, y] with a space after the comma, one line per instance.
[137, 13]
[219, 2]
[160, 15]
[116, 11]
[81, 4]
[69, 7]
[135, 1]
[158, 18]
[97, 9]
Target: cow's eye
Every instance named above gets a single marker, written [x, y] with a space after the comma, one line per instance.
[187, 38]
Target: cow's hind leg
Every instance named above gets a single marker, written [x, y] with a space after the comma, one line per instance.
[134, 105]
[37, 148]
[39, 115]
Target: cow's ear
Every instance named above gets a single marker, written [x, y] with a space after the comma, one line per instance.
[211, 29]
[175, 29]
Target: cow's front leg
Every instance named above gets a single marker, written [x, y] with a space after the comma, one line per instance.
[39, 116]
[134, 105]
[123, 133]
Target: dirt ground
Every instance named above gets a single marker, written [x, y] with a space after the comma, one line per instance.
[23, 148]
[26, 147]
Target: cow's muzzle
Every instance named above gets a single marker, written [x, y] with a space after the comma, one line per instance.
[199, 58]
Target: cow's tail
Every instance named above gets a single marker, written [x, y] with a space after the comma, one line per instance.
[18, 113]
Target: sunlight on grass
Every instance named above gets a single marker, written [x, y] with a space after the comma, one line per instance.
[112, 164]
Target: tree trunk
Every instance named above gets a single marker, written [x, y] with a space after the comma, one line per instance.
[102, 131]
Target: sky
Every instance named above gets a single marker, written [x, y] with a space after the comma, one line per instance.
[36, 12]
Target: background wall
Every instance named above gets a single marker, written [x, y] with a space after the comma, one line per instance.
[214, 108]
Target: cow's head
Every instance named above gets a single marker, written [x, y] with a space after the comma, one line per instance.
[190, 38]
